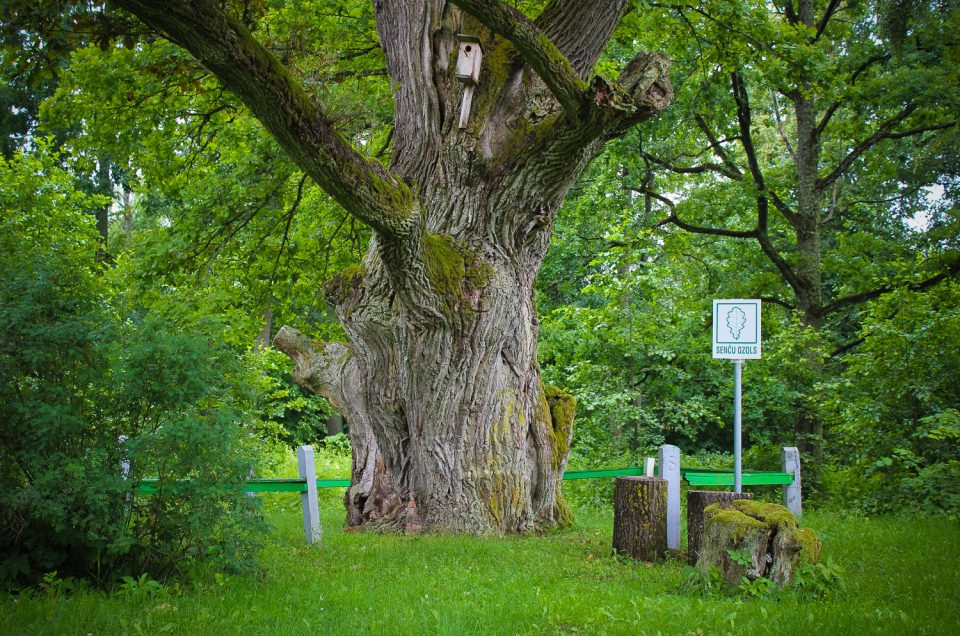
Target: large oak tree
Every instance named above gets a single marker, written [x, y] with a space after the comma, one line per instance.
[452, 427]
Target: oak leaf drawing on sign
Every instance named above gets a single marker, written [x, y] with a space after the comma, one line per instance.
[736, 321]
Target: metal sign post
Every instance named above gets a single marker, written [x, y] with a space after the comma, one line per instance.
[736, 336]
[737, 426]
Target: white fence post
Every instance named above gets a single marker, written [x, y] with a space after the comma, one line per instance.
[311, 507]
[124, 461]
[124, 466]
[648, 465]
[668, 465]
[792, 492]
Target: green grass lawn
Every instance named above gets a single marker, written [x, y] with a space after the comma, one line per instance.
[902, 577]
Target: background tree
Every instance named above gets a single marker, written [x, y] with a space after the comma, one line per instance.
[823, 141]
[625, 322]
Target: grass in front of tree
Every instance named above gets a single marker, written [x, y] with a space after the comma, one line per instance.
[900, 577]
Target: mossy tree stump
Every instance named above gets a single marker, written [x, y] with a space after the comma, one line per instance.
[640, 517]
[697, 502]
[766, 535]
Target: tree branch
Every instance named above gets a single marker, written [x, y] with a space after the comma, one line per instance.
[537, 50]
[951, 270]
[744, 115]
[776, 301]
[920, 130]
[827, 14]
[827, 116]
[326, 371]
[673, 219]
[867, 64]
[742, 99]
[883, 132]
[847, 347]
[832, 109]
[712, 231]
[697, 169]
[734, 171]
[412, 38]
[783, 135]
[783, 208]
[245, 67]
[581, 30]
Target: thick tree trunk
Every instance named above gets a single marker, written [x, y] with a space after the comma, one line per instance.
[640, 517]
[451, 424]
[697, 502]
[808, 228]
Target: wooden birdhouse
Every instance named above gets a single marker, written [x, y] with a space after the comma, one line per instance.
[468, 59]
[468, 72]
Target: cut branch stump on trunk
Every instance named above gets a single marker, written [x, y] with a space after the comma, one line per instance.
[697, 501]
[640, 517]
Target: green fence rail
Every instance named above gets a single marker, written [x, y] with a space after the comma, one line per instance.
[668, 459]
[694, 476]
[714, 477]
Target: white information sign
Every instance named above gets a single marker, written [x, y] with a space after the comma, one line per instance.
[736, 329]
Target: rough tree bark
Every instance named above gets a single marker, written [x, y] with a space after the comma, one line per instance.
[640, 517]
[451, 425]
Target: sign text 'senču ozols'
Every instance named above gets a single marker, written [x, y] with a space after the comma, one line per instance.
[736, 329]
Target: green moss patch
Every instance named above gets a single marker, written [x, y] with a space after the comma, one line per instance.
[563, 408]
[456, 273]
[771, 514]
[345, 288]
[741, 524]
[745, 516]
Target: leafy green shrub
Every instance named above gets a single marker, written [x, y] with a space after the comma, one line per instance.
[895, 421]
[138, 588]
[935, 488]
[176, 386]
[757, 588]
[289, 414]
[83, 391]
[819, 580]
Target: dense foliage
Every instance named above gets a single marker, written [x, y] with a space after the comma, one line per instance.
[92, 383]
[708, 202]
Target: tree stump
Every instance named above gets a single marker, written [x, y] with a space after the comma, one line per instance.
[640, 517]
[751, 539]
[697, 501]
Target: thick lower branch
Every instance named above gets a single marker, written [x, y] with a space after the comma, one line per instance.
[536, 49]
[223, 45]
[581, 29]
[319, 367]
